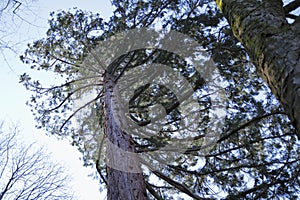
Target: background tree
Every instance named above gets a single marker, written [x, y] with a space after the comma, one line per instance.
[13, 15]
[5, 9]
[257, 153]
[273, 45]
[26, 173]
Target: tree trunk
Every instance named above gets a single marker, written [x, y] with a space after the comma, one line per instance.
[124, 176]
[272, 44]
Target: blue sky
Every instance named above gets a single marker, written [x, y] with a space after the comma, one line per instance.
[13, 95]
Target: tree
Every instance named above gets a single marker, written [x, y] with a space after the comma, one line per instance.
[255, 154]
[13, 15]
[273, 45]
[5, 5]
[26, 173]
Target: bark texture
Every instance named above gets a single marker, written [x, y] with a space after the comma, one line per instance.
[272, 44]
[124, 176]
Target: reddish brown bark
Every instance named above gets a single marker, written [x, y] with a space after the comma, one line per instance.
[124, 176]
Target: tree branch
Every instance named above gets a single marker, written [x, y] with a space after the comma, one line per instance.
[175, 184]
[226, 136]
[291, 6]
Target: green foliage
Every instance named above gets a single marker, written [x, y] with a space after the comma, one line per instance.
[257, 154]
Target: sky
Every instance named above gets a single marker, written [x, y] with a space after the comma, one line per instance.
[19, 32]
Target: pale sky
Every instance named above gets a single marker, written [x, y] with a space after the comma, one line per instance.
[14, 95]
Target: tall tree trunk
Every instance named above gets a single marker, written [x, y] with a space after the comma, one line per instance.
[124, 176]
[273, 45]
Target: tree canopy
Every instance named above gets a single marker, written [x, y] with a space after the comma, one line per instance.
[256, 153]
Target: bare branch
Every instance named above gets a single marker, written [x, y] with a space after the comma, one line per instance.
[27, 173]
